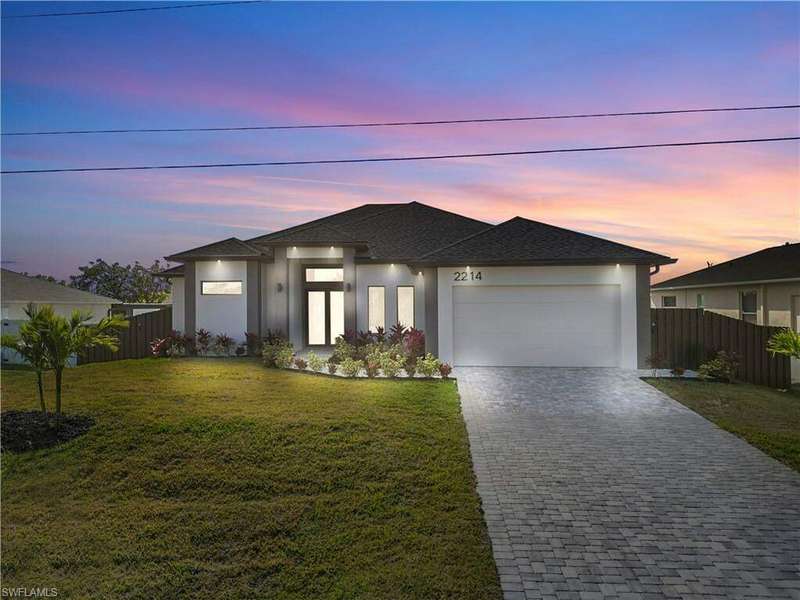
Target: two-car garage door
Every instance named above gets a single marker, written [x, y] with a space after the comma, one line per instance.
[537, 325]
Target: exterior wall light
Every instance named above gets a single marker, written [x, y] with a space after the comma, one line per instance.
[348, 287]
[280, 287]
[218, 261]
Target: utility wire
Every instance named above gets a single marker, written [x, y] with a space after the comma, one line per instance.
[339, 161]
[406, 123]
[125, 10]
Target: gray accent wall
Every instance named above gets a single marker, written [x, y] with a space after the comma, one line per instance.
[190, 298]
[277, 302]
[431, 310]
[643, 321]
[349, 267]
[253, 297]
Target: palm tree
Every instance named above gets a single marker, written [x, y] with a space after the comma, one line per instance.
[785, 342]
[30, 346]
[64, 338]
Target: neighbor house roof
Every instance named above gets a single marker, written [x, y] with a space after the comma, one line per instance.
[230, 248]
[522, 241]
[17, 287]
[777, 262]
[418, 233]
[176, 271]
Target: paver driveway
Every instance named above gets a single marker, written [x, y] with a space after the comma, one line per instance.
[596, 485]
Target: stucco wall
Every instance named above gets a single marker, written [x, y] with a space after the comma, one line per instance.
[623, 276]
[389, 276]
[222, 314]
[178, 306]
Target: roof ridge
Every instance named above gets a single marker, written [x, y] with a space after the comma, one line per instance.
[449, 212]
[464, 239]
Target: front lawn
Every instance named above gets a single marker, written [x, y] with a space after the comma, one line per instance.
[222, 479]
[766, 418]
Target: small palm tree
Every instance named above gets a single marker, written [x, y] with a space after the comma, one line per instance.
[785, 342]
[30, 346]
[64, 338]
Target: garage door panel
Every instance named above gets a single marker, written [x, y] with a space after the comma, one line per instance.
[536, 325]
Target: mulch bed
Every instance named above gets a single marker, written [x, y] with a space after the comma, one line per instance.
[21, 431]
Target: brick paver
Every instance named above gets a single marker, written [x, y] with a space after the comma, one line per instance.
[596, 485]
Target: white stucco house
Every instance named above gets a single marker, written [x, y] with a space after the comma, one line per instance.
[521, 293]
[18, 290]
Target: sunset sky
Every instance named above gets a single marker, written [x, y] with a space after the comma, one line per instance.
[282, 63]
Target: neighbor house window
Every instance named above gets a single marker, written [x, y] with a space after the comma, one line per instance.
[376, 310]
[669, 301]
[701, 300]
[405, 305]
[324, 275]
[221, 288]
[749, 306]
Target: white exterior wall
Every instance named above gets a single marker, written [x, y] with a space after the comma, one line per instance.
[178, 305]
[221, 314]
[623, 276]
[389, 276]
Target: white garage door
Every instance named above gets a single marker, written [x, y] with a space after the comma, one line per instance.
[547, 326]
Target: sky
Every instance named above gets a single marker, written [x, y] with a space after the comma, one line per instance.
[295, 63]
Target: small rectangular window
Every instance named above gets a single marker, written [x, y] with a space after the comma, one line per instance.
[324, 275]
[749, 304]
[405, 305]
[701, 300]
[669, 301]
[376, 310]
[221, 288]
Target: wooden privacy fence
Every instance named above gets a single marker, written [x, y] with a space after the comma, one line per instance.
[134, 342]
[687, 337]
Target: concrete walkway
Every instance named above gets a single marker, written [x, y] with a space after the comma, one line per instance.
[596, 485]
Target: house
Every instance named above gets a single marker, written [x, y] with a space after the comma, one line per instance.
[18, 290]
[762, 288]
[517, 293]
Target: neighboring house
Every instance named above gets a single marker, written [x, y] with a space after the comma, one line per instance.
[517, 293]
[17, 291]
[761, 288]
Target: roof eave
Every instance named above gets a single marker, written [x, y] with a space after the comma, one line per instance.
[737, 282]
[478, 262]
[195, 257]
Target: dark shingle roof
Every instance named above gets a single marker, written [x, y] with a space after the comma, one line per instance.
[230, 248]
[522, 241]
[176, 271]
[777, 262]
[316, 234]
[17, 287]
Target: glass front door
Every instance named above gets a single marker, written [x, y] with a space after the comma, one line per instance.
[325, 316]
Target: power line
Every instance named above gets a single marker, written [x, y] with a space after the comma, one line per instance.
[406, 123]
[339, 161]
[125, 10]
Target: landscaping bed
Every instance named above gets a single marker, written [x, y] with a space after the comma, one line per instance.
[23, 430]
[768, 419]
[221, 478]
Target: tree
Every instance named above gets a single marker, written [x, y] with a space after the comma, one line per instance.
[785, 342]
[30, 346]
[63, 338]
[126, 283]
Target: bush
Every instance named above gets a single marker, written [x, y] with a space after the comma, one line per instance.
[785, 342]
[372, 368]
[223, 344]
[414, 343]
[429, 365]
[397, 333]
[410, 367]
[445, 370]
[315, 363]
[241, 349]
[253, 343]
[343, 349]
[284, 356]
[391, 364]
[678, 371]
[332, 366]
[300, 363]
[656, 361]
[351, 367]
[722, 367]
[202, 341]
[271, 349]
[175, 344]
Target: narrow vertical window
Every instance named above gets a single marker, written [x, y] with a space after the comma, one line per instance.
[376, 311]
[749, 306]
[405, 305]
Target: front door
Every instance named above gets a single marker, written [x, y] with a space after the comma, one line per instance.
[325, 316]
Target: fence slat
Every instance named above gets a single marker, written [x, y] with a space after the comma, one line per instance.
[134, 342]
[688, 337]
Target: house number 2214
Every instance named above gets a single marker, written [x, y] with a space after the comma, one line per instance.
[467, 276]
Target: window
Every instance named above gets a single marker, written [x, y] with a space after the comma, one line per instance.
[749, 306]
[669, 301]
[221, 288]
[324, 275]
[405, 305]
[701, 300]
[376, 310]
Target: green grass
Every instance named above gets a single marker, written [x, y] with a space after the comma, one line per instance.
[220, 478]
[767, 418]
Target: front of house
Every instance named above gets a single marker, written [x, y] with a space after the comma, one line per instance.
[521, 293]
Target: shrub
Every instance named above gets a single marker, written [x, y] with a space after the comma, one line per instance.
[252, 343]
[678, 371]
[391, 364]
[722, 367]
[351, 367]
[410, 367]
[656, 361]
[414, 343]
[429, 365]
[315, 363]
[332, 366]
[175, 344]
[785, 342]
[241, 349]
[343, 349]
[300, 363]
[202, 341]
[271, 349]
[223, 344]
[274, 336]
[445, 370]
[397, 333]
[372, 368]
[284, 356]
